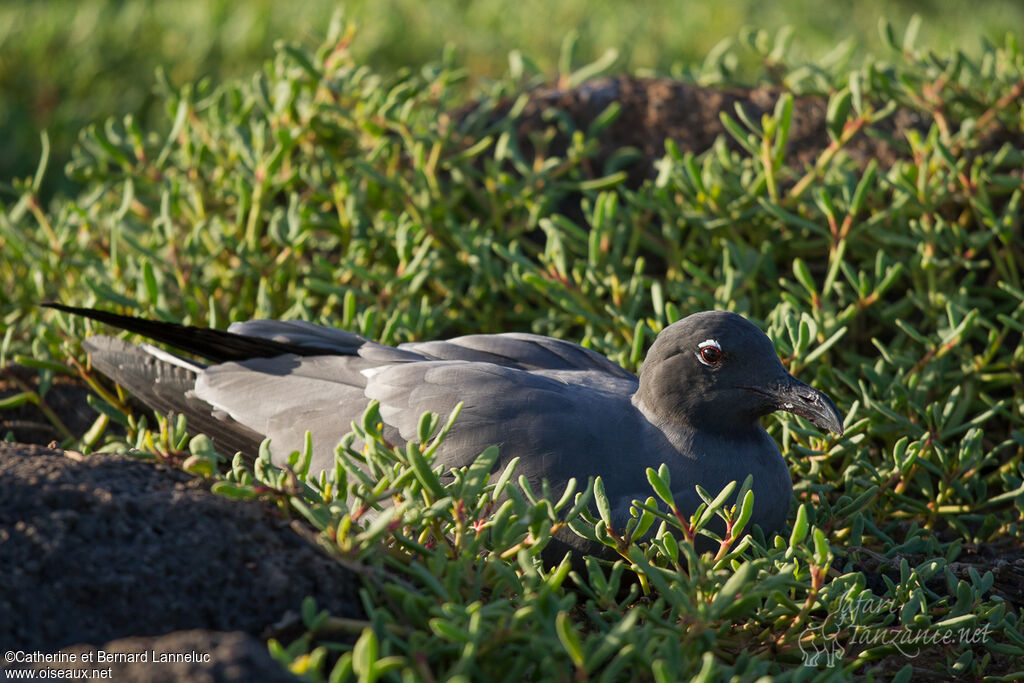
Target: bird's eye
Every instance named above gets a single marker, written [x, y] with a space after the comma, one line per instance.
[709, 352]
[710, 355]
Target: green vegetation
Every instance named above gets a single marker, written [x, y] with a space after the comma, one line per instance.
[65, 64]
[320, 188]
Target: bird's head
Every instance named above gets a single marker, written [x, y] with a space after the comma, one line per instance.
[717, 371]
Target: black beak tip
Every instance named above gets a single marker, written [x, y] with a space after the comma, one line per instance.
[798, 398]
[829, 419]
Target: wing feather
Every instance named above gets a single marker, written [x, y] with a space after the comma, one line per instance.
[518, 350]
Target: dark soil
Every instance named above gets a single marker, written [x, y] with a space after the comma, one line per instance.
[27, 423]
[1004, 558]
[102, 547]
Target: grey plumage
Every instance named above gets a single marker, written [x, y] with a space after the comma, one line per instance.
[564, 410]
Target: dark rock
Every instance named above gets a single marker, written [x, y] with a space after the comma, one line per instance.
[656, 109]
[101, 547]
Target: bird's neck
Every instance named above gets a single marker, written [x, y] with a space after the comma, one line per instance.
[682, 432]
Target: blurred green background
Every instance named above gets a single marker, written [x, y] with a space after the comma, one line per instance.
[65, 64]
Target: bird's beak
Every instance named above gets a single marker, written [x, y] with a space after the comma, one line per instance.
[792, 395]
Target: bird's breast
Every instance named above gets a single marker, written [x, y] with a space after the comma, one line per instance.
[712, 460]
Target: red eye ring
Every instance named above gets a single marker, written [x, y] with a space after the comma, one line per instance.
[711, 355]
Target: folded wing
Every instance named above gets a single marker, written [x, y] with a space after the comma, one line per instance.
[528, 394]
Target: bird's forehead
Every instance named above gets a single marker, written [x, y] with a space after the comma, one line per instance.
[728, 331]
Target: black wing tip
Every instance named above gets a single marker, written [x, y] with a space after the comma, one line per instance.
[59, 307]
[85, 311]
[215, 345]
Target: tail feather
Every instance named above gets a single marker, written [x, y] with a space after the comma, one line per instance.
[167, 387]
[214, 345]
